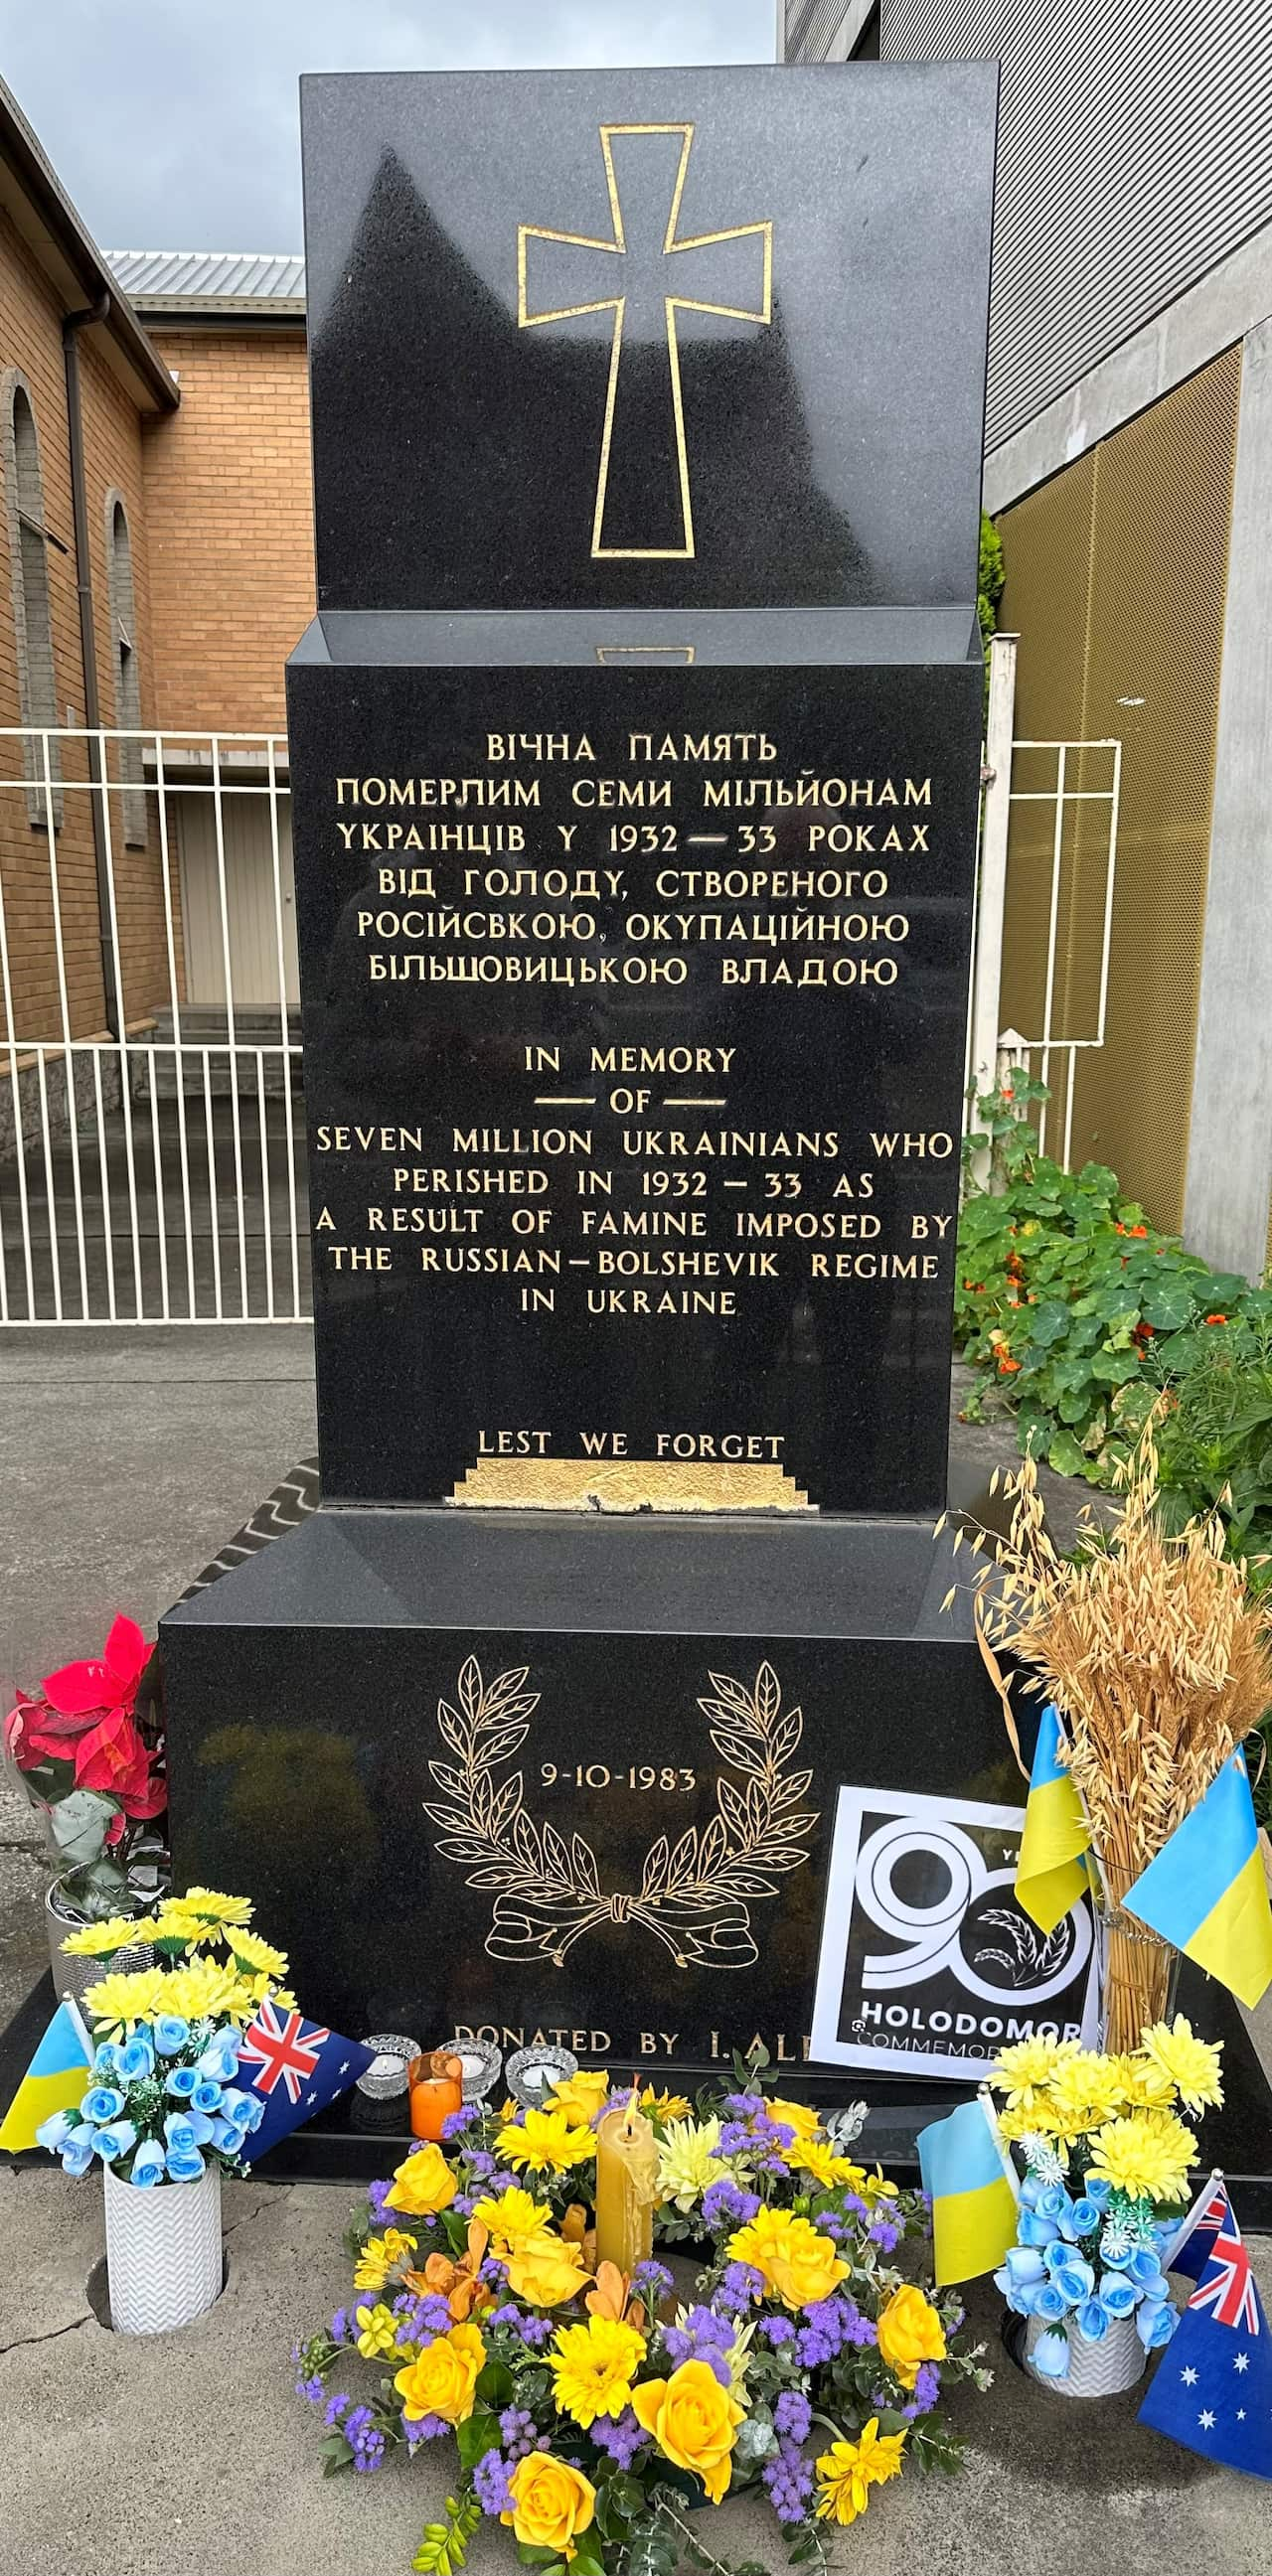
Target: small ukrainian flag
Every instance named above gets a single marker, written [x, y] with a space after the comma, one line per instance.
[1049, 1874]
[965, 2173]
[1205, 1891]
[55, 2080]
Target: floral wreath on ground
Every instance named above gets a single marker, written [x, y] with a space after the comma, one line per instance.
[591, 2409]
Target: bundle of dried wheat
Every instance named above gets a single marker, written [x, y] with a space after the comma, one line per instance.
[1159, 1661]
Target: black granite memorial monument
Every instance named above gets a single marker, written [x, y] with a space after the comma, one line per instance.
[635, 758]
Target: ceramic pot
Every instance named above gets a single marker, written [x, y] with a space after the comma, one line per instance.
[164, 2258]
[1095, 2369]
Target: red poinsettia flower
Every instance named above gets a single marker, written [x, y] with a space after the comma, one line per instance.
[106, 1683]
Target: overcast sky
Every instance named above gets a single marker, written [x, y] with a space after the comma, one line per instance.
[172, 123]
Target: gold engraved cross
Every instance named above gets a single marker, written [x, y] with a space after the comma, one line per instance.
[758, 267]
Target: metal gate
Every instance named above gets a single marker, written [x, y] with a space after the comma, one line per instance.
[151, 1114]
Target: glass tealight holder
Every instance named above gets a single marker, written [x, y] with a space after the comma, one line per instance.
[532, 2072]
[386, 2076]
[480, 2062]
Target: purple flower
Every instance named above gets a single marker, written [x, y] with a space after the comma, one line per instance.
[364, 2437]
[462, 2204]
[622, 2438]
[776, 2330]
[789, 2481]
[793, 2414]
[744, 2106]
[740, 2286]
[884, 2231]
[429, 2429]
[334, 2409]
[534, 2331]
[377, 2195]
[490, 2484]
[651, 2281]
[481, 2165]
[340, 2330]
[518, 2431]
[927, 2388]
[455, 2122]
[725, 2205]
[311, 2389]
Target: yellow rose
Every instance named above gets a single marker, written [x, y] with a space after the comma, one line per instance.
[909, 2332]
[546, 2272]
[796, 2261]
[694, 2421]
[443, 2378]
[423, 2185]
[796, 2116]
[551, 2503]
[582, 2097]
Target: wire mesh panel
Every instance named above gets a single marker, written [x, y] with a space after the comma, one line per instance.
[152, 1141]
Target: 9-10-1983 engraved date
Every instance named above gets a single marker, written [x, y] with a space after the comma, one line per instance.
[598, 1775]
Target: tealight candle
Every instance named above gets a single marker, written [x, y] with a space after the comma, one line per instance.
[437, 2089]
[480, 2062]
[626, 2187]
[532, 2072]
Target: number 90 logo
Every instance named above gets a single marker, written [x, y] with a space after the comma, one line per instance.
[952, 1878]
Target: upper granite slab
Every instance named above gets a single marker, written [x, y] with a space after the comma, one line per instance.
[646, 339]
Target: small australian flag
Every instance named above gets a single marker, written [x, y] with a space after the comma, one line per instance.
[1212, 2390]
[295, 2067]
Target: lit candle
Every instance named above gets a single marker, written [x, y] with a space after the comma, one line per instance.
[626, 2187]
[437, 2089]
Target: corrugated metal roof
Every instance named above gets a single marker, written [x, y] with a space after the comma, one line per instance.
[211, 280]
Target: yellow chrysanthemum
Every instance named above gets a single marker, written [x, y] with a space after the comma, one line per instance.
[793, 2259]
[593, 2367]
[688, 2162]
[174, 1923]
[115, 2002]
[377, 2332]
[848, 2470]
[1188, 2064]
[207, 1989]
[817, 2158]
[102, 1940]
[1084, 2093]
[665, 2106]
[1025, 2072]
[209, 1906]
[1147, 2155]
[255, 1957]
[583, 2096]
[1143, 2086]
[378, 2256]
[548, 2142]
[513, 2219]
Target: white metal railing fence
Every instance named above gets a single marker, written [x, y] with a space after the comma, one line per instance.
[990, 1047]
[151, 1121]
[152, 1145]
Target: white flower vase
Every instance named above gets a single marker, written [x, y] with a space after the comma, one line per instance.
[164, 2258]
[1095, 2369]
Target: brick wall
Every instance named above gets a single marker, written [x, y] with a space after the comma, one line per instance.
[31, 342]
[229, 508]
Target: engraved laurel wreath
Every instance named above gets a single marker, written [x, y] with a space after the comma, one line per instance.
[694, 1894]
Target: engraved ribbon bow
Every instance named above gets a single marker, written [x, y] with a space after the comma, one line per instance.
[699, 1931]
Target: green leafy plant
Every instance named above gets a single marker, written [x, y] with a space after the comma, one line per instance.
[990, 579]
[1079, 1315]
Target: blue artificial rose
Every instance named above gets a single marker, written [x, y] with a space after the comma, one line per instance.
[77, 2151]
[1118, 2294]
[171, 2033]
[137, 2059]
[1050, 2355]
[1034, 2229]
[148, 2164]
[226, 2137]
[1075, 2280]
[178, 2130]
[1092, 2320]
[108, 2061]
[1086, 2215]
[1050, 2304]
[1097, 2189]
[102, 2102]
[1053, 2200]
[185, 2165]
[1056, 2253]
[54, 2132]
[246, 2110]
[220, 2058]
[206, 2095]
[1031, 2190]
[1143, 2268]
[116, 2139]
[182, 2081]
[1155, 2323]
[1025, 2263]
